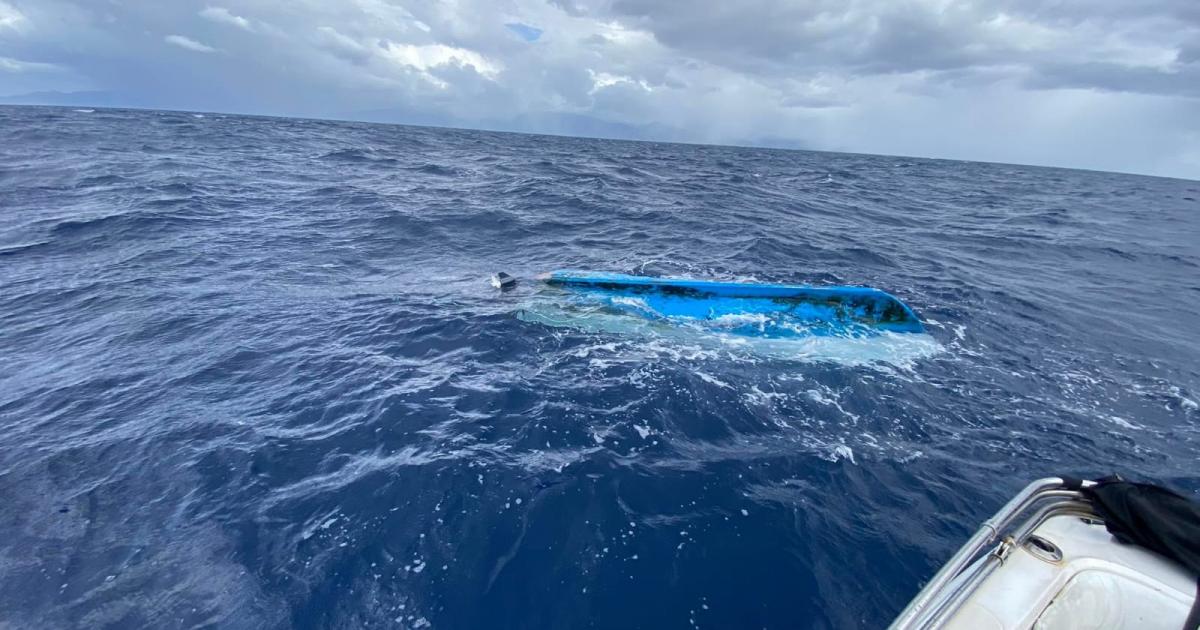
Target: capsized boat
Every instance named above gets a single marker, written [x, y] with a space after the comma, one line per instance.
[777, 310]
[1072, 554]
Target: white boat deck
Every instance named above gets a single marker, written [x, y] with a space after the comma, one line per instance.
[1097, 583]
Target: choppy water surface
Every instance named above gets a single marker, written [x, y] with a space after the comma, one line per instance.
[253, 376]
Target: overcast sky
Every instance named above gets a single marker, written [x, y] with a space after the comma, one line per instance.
[1103, 84]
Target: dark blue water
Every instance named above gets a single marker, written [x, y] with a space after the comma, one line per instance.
[252, 375]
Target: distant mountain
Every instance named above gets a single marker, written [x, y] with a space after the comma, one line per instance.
[553, 123]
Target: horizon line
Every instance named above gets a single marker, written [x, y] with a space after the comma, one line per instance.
[762, 147]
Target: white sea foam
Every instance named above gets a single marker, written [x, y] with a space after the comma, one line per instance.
[821, 398]
[738, 320]
[698, 342]
[712, 380]
[1184, 401]
[756, 396]
[840, 452]
[1122, 422]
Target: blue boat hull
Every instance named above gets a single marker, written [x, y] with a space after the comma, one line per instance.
[745, 308]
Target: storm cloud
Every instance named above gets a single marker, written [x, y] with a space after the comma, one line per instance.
[1104, 84]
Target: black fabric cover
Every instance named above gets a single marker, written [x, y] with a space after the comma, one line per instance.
[1150, 516]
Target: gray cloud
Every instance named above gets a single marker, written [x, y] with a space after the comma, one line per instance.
[223, 16]
[863, 38]
[1106, 84]
[1183, 80]
[188, 43]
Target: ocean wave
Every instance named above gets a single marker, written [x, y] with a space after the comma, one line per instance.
[254, 366]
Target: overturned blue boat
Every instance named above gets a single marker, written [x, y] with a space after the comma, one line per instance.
[757, 309]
